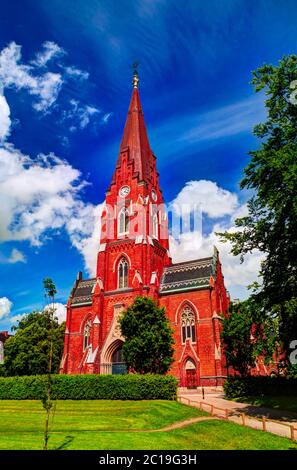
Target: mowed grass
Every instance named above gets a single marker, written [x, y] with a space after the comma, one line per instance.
[112, 425]
[93, 415]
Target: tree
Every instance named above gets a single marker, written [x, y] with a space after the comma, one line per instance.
[50, 292]
[236, 336]
[47, 402]
[27, 352]
[148, 346]
[37, 348]
[245, 336]
[271, 175]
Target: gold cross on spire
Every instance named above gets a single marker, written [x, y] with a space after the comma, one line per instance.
[135, 79]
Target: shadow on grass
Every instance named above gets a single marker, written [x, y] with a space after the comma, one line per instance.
[272, 413]
[67, 441]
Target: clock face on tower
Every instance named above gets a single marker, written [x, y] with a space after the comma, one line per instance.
[154, 195]
[124, 191]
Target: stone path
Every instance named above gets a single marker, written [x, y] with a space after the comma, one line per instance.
[276, 421]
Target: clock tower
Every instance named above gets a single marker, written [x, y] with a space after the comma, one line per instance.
[134, 229]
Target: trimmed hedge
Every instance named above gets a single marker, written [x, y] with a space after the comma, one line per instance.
[240, 387]
[90, 387]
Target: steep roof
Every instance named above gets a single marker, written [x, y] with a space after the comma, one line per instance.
[186, 276]
[135, 139]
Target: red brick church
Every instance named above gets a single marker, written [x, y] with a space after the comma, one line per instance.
[134, 259]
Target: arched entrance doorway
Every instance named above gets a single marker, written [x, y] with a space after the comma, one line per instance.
[191, 374]
[117, 360]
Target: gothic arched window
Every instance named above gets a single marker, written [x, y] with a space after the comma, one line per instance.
[188, 329]
[155, 225]
[87, 333]
[123, 221]
[123, 272]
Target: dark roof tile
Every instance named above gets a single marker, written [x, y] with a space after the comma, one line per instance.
[187, 275]
[82, 293]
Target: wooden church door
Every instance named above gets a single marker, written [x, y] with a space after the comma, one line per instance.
[191, 374]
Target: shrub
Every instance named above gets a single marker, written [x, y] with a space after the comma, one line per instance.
[240, 387]
[90, 387]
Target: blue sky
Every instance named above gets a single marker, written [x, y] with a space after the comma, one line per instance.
[67, 89]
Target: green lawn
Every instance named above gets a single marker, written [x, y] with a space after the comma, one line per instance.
[276, 402]
[114, 424]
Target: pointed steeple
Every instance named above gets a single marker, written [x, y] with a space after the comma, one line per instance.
[135, 138]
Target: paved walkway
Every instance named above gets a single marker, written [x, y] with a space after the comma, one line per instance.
[275, 421]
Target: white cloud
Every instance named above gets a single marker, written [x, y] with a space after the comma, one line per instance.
[80, 115]
[13, 73]
[226, 121]
[193, 245]
[17, 318]
[39, 197]
[84, 232]
[85, 114]
[237, 276]
[50, 50]
[5, 307]
[74, 72]
[42, 84]
[213, 200]
[60, 311]
[106, 117]
[5, 121]
[48, 88]
[203, 128]
[16, 256]
[35, 195]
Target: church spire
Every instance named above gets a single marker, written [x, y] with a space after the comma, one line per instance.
[135, 138]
